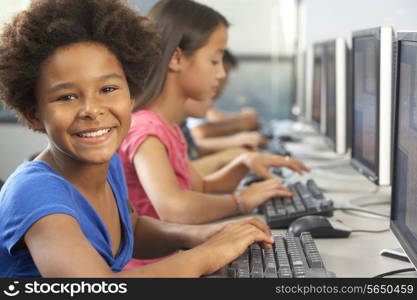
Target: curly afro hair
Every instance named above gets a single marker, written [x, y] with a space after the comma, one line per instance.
[34, 34]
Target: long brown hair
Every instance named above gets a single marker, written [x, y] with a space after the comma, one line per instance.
[181, 23]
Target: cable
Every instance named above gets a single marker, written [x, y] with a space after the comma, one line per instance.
[333, 175]
[329, 162]
[369, 199]
[356, 203]
[362, 210]
[371, 231]
[395, 272]
[329, 165]
[368, 212]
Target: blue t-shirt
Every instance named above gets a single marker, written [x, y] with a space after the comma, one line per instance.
[35, 190]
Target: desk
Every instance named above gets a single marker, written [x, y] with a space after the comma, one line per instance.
[357, 255]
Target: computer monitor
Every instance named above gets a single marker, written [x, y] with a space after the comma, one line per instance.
[308, 97]
[335, 62]
[349, 98]
[301, 86]
[373, 103]
[404, 189]
[318, 104]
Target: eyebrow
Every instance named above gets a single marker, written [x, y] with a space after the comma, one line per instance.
[66, 85]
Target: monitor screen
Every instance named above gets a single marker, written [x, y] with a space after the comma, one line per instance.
[365, 101]
[404, 194]
[317, 85]
[330, 75]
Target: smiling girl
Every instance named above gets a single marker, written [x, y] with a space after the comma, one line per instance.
[72, 69]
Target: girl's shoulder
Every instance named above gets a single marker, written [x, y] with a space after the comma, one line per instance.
[148, 122]
[34, 179]
[34, 173]
[147, 115]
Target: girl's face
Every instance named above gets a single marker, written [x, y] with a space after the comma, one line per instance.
[204, 68]
[84, 103]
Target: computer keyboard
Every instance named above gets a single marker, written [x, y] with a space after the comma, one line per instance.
[289, 257]
[307, 199]
[275, 146]
[266, 130]
[252, 177]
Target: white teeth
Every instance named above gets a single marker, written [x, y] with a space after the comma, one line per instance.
[94, 133]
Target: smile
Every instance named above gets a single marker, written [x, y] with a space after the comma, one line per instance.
[93, 134]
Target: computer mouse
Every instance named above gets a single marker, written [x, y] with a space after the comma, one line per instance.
[319, 227]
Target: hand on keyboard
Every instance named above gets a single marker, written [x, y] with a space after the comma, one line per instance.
[232, 241]
[260, 163]
[307, 199]
[259, 192]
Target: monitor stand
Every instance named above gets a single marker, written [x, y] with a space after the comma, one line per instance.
[397, 253]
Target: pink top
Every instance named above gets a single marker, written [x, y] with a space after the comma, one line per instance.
[147, 123]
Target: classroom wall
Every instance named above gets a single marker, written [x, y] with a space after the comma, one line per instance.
[17, 142]
[322, 20]
[263, 36]
[256, 28]
[327, 19]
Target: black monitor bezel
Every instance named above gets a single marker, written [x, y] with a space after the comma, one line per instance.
[356, 163]
[412, 254]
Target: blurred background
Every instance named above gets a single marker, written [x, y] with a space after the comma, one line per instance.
[269, 38]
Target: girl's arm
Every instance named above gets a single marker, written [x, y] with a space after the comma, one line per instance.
[178, 205]
[247, 139]
[210, 163]
[173, 203]
[227, 124]
[60, 249]
[154, 238]
[226, 179]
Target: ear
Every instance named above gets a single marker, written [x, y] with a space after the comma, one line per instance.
[32, 118]
[176, 60]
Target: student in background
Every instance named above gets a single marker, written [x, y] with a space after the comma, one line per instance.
[217, 130]
[203, 160]
[72, 69]
[161, 182]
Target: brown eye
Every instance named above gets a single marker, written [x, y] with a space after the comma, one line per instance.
[108, 89]
[66, 98]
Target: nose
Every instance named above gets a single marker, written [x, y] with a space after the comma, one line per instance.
[91, 108]
[221, 73]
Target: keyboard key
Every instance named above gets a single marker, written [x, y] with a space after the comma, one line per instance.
[290, 257]
[312, 253]
[314, 189]
[256, 266]
[303, 192]
[270, 267]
